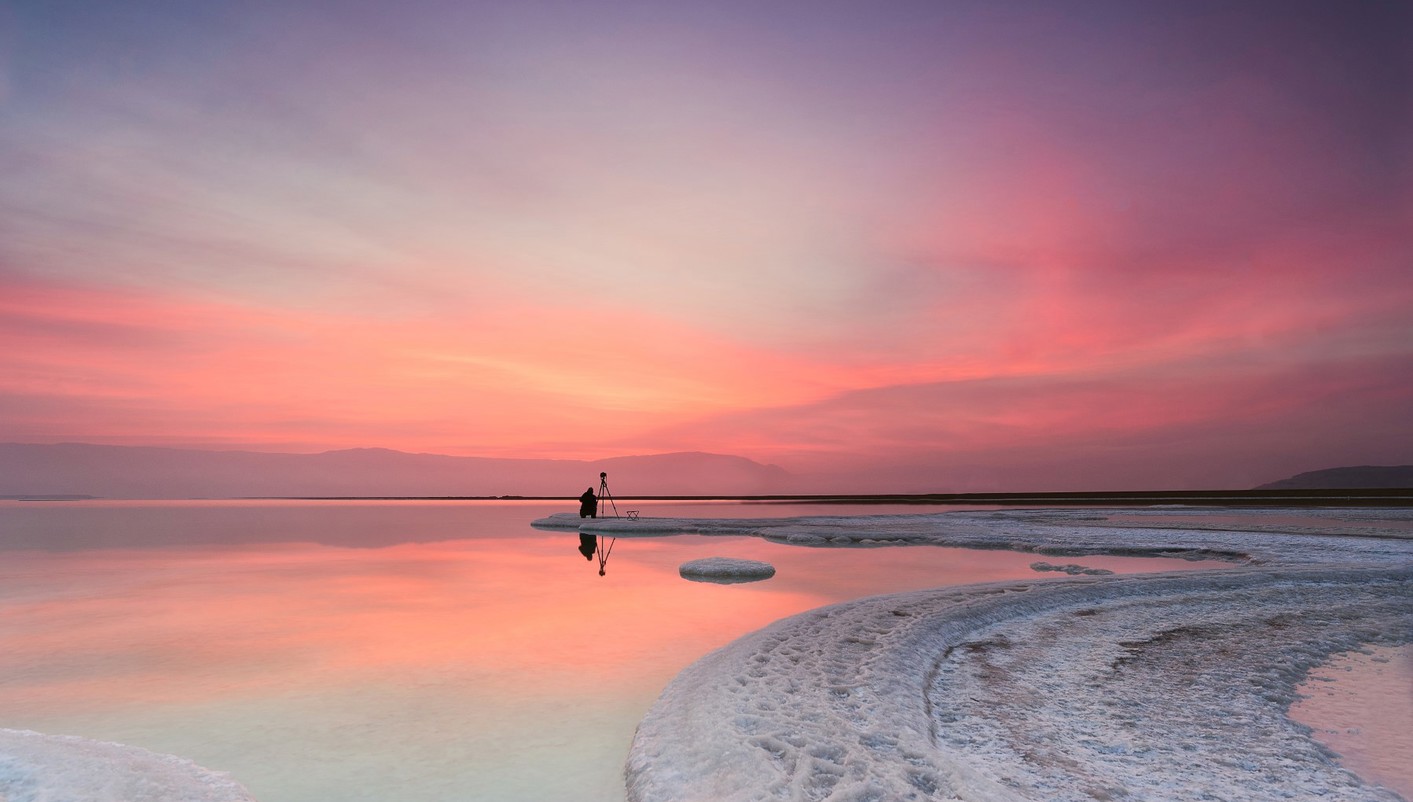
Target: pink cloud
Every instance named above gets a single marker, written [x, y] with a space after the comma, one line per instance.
[123, 363]
[1203, 425]
[501, 234]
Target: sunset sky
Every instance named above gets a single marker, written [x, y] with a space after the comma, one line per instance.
[945, 245]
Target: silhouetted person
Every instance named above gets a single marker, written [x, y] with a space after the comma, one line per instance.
[588, 504]
[588, 544]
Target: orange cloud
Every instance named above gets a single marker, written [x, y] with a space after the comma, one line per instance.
[498, 380]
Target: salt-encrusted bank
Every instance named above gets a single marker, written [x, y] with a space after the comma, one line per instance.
[45, 768]
[1170, 687]
[1161, 687]
[1059, 532]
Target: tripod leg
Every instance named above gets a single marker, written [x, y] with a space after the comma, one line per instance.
[605, 496]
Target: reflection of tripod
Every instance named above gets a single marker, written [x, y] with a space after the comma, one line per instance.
[604, 495]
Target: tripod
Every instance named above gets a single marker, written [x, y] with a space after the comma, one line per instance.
[604, 495]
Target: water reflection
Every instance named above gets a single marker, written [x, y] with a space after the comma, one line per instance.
[72, 526]
[591, 546]
[421, 672]
[723, 579]
[1359, 704]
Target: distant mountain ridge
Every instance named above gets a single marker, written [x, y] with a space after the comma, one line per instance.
[70, 469]
[1360, 477]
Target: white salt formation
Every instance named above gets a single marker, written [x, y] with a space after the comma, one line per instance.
[1159, 687]
[1379, 535]
[1071, 569]
[725, 570]
[56, 768]
[1170, 687]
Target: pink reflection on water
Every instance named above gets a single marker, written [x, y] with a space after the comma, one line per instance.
[178, 625]
[315, 671]
[1360, 705]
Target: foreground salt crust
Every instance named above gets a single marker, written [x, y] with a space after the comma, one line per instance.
[57, 768]
[1160, 687]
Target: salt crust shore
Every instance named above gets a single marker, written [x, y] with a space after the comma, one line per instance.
[1160, 687]
[59, 768]
[1057, 532]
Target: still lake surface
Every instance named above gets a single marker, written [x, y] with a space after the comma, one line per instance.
[412, 651]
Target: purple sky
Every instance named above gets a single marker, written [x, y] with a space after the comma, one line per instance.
[942, 245]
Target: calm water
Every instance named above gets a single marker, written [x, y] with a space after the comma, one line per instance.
[408, 651]
[1360, 705]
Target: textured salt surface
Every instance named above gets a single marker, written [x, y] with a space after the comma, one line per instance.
[1049, 532]
[1168, 687]
[726, 570]
[55, 768]
[1161, 687]
[1071, 569]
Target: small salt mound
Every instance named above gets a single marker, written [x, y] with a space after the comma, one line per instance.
[1072, 569]
[726, 570]
[43, 767]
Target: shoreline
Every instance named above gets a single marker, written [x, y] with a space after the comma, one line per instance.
[1070, 689]
[1355, 497]
[1058, 689]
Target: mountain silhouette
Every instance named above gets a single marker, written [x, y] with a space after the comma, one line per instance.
[1361, 477]
[68, 469]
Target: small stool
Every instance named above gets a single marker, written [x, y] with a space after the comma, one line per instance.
[632, 515]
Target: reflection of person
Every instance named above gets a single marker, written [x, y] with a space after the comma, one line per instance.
[588, 544]
[588, 504]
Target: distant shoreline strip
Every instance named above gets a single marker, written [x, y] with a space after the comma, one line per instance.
[1395, 497]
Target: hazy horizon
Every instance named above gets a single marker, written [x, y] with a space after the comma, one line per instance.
[947, 245]
[77, 470]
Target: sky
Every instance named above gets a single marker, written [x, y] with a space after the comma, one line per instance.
[923, 246]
